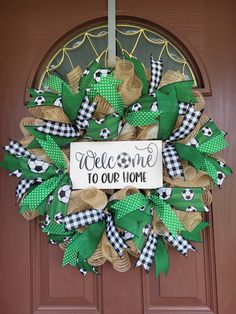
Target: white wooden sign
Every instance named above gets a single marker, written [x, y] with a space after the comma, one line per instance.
[115, 165]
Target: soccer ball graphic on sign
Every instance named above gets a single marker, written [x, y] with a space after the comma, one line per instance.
[123, 160]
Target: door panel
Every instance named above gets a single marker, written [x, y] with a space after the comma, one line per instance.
[32, 278]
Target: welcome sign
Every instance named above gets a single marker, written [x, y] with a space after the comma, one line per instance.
[115, 165]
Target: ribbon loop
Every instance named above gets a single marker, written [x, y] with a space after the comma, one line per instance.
[156, 74]
[172, 161]
[81, 219]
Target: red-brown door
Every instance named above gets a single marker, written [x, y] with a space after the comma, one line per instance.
[32, 279]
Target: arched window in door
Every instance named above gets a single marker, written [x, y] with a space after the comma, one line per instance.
[135, 40]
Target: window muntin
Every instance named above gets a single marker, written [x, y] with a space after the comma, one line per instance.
[135, 40]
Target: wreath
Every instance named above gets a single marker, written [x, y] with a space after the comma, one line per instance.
[126, 102]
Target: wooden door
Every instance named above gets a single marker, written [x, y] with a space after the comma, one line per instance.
[32, 279]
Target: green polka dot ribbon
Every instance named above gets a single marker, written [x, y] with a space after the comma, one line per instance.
[56, 229]
[210, 169]
[34, 198]
[53, 152]
[138, 201]
[56, 83]
[129, 204]
[107, 88]
[142, 118]
[71, 252]
[214, 144]
[167, 215]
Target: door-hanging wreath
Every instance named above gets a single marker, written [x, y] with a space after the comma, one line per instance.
[123, 103]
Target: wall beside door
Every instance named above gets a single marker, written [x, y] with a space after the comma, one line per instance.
[32, 280]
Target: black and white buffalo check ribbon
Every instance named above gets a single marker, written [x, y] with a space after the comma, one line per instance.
[172, 161]
[17, 173]
[189, 122]
[183, 106]
[156, 74]
[179, 243]
[24, 185]
[86, 112]
[58, 128]
[171, 158]
[90, 216]
[16, 149]
[148, 252]
[146, 257]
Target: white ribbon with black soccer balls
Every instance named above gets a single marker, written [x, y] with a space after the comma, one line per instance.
[171, 158]
[91, 216]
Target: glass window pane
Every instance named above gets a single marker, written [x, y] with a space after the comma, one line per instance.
[137, 41]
